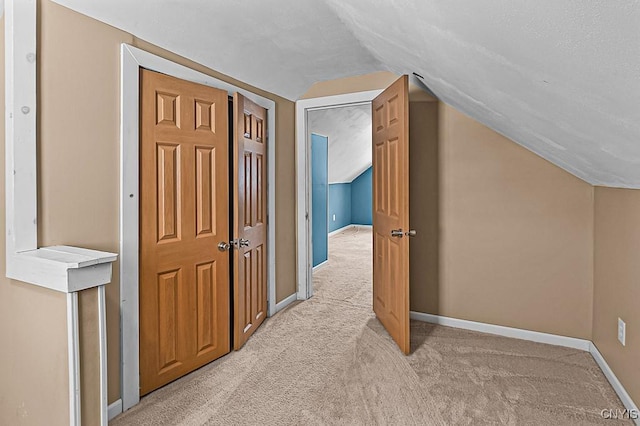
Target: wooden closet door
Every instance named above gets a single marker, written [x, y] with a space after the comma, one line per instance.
[184, 214]
[250, 218]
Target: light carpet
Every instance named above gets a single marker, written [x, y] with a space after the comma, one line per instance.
[329, 361]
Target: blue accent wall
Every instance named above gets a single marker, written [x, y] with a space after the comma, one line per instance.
[362, 198]
[339, 205]
[319, 196]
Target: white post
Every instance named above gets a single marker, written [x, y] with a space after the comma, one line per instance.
[102, 324]
[74, 358]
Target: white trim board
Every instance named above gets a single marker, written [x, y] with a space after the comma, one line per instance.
[304, 250]
[321, 265]
[73, 341]
[615, 383]
[115, 408]
[21, 190]
[499, 330]
[132, 59]
[350, 226]
[286, 302]
[535, 336]
[340, 230]
[357, 225]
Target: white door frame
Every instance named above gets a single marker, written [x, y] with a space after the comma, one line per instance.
[304, 253]
[132, 59]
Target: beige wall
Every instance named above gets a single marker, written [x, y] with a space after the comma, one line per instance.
[515, 245]
[33, 353]
[79, 145]
[424, 249]
[516, 239]
[360, 83]
[78, 168]
[617, 282]
[504, 236]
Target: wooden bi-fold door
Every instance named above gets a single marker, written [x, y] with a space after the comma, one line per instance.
[391, 210]
[184, 215]
[250, 218]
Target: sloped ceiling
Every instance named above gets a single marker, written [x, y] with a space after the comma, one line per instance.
[349, 133]
[560, 77]
[281, 46]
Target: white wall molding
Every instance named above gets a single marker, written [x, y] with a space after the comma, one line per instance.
[115, 408]
[132, 59]
[286, 302]
[20, 127]
[303, 181]
[60, 268]
[628, 403]
[515, 333]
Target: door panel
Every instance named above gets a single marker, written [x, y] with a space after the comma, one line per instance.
[391, 210]
[184, 193]
[250, 222]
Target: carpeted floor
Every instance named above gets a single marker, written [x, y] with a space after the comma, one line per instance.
[329, 361]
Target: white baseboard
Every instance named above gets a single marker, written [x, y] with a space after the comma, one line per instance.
[615, 383]
[339, 230]
[362, 226]
[536, 336]
[286, 302]
[323, 264]
[516, 333]
[352, 225]
[115, 409]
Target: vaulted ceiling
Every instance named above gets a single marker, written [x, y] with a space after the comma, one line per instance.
[560, 77]
[349, 132]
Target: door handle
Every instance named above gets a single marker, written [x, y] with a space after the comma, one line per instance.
[224, 246]
[239, 243]
[410, 233]
[397, 233]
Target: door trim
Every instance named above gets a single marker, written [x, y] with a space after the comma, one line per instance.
[132, 59]
[304, 253]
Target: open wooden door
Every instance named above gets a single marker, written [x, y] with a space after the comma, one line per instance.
[250, 218]
[391, 210]
[184, 215]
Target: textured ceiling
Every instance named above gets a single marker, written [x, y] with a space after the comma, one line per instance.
[281, 46]
[349, 133]
[560, 77]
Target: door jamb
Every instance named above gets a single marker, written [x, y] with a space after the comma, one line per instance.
[132, 59]
[304, 260]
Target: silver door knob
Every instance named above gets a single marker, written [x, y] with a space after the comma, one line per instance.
[224, 246]
[410, 233]
[397, 233]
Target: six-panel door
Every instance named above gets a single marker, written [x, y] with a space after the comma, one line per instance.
[184, 214]
[250, 218]
[391, 210]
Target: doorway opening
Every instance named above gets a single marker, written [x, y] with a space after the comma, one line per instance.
[304, 109]
[392, 228]
[341, 195]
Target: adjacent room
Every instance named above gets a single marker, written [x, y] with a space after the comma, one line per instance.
[341, 170]
[320, 212]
